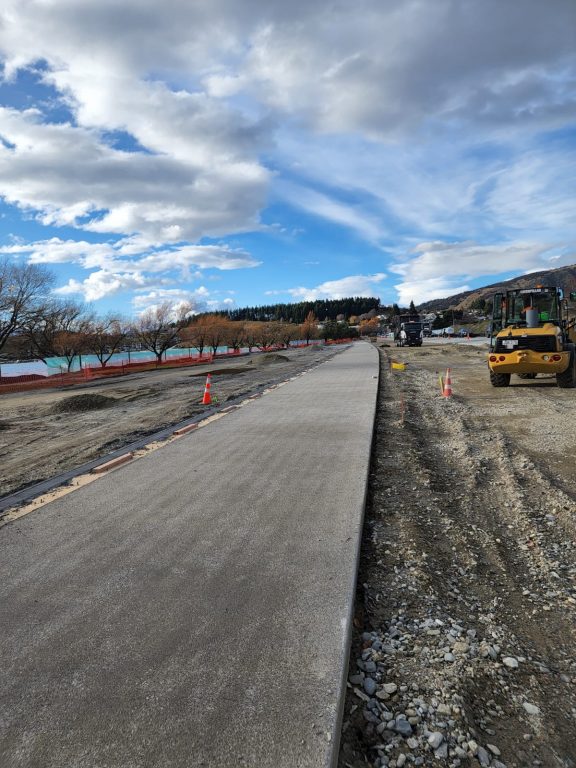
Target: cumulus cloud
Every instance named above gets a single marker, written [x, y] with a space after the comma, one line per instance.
[118, 270]
[381, 68]
[354, 285]
[101, 284]
[57, 251]
[195, 299]
[440, 269]
[70, 178]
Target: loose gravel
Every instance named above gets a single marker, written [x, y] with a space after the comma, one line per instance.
[464, 653]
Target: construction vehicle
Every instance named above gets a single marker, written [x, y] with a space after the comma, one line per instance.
[408, 331]
[531, 334]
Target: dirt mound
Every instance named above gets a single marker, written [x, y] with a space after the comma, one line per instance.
[79, 403]
[269, 359]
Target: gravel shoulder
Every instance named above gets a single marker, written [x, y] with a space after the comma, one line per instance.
[464, 646]
[44, 433]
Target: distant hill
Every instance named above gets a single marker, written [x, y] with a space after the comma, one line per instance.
[564, 277]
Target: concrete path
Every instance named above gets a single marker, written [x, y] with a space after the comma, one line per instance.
[193, 608]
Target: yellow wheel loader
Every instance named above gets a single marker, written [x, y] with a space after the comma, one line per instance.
[531, 334]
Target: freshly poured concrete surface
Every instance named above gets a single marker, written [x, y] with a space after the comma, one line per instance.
[192, 608]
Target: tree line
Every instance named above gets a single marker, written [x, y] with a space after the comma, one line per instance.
[324, 309]
[35, 324]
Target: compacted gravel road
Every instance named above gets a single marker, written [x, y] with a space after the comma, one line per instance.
[464, 651]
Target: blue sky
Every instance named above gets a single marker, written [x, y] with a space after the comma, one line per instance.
[241, 152]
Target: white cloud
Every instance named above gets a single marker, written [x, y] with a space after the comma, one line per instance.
[120, 267]
[401, 121]
[57, 251]
[536, 192]
[441, 269]
[101, 284]
[179, 297]
[71, 178]
[326, 207]
[220, 257]
[354, 285]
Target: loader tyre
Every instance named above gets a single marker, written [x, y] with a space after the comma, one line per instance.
[499, 379]
[567, 379]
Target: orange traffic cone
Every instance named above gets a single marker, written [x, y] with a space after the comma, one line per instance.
[447, 391]
[206, 400]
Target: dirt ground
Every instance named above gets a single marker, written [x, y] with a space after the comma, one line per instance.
[46, 432]
[464, 651]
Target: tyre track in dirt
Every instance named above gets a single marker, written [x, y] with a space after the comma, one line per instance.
[466, 609]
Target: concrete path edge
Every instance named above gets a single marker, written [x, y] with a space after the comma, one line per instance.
[345, 660]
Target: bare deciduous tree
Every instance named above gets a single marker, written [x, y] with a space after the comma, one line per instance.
[268, 334]
[216, 331]
[157, 329]
[251, 334]
[287, 333]
[50, 330]
[22, 288]
[195, 335]
[105, 337]
[235, 335]
[309, 328]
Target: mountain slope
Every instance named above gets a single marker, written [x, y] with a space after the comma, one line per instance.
[564, 277]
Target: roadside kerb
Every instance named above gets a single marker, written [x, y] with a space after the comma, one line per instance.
[113, 463]
[195, 606]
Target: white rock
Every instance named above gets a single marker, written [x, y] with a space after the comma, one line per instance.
[493, 749]
[412, 742]
[472, 747]
[532, 709]
[461, 647]
[510, 661]
[390, 688]
[435, 739]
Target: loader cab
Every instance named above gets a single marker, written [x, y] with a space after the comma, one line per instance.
[526, 307]
[533, 307]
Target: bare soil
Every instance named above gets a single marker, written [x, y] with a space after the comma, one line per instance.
[44, 433]
[464, 651]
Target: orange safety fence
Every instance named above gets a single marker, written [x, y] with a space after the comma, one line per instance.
[90, 372]
[340, 341]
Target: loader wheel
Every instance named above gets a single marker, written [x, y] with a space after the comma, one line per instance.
[499, 379]
[527, 375]
[567, 379]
